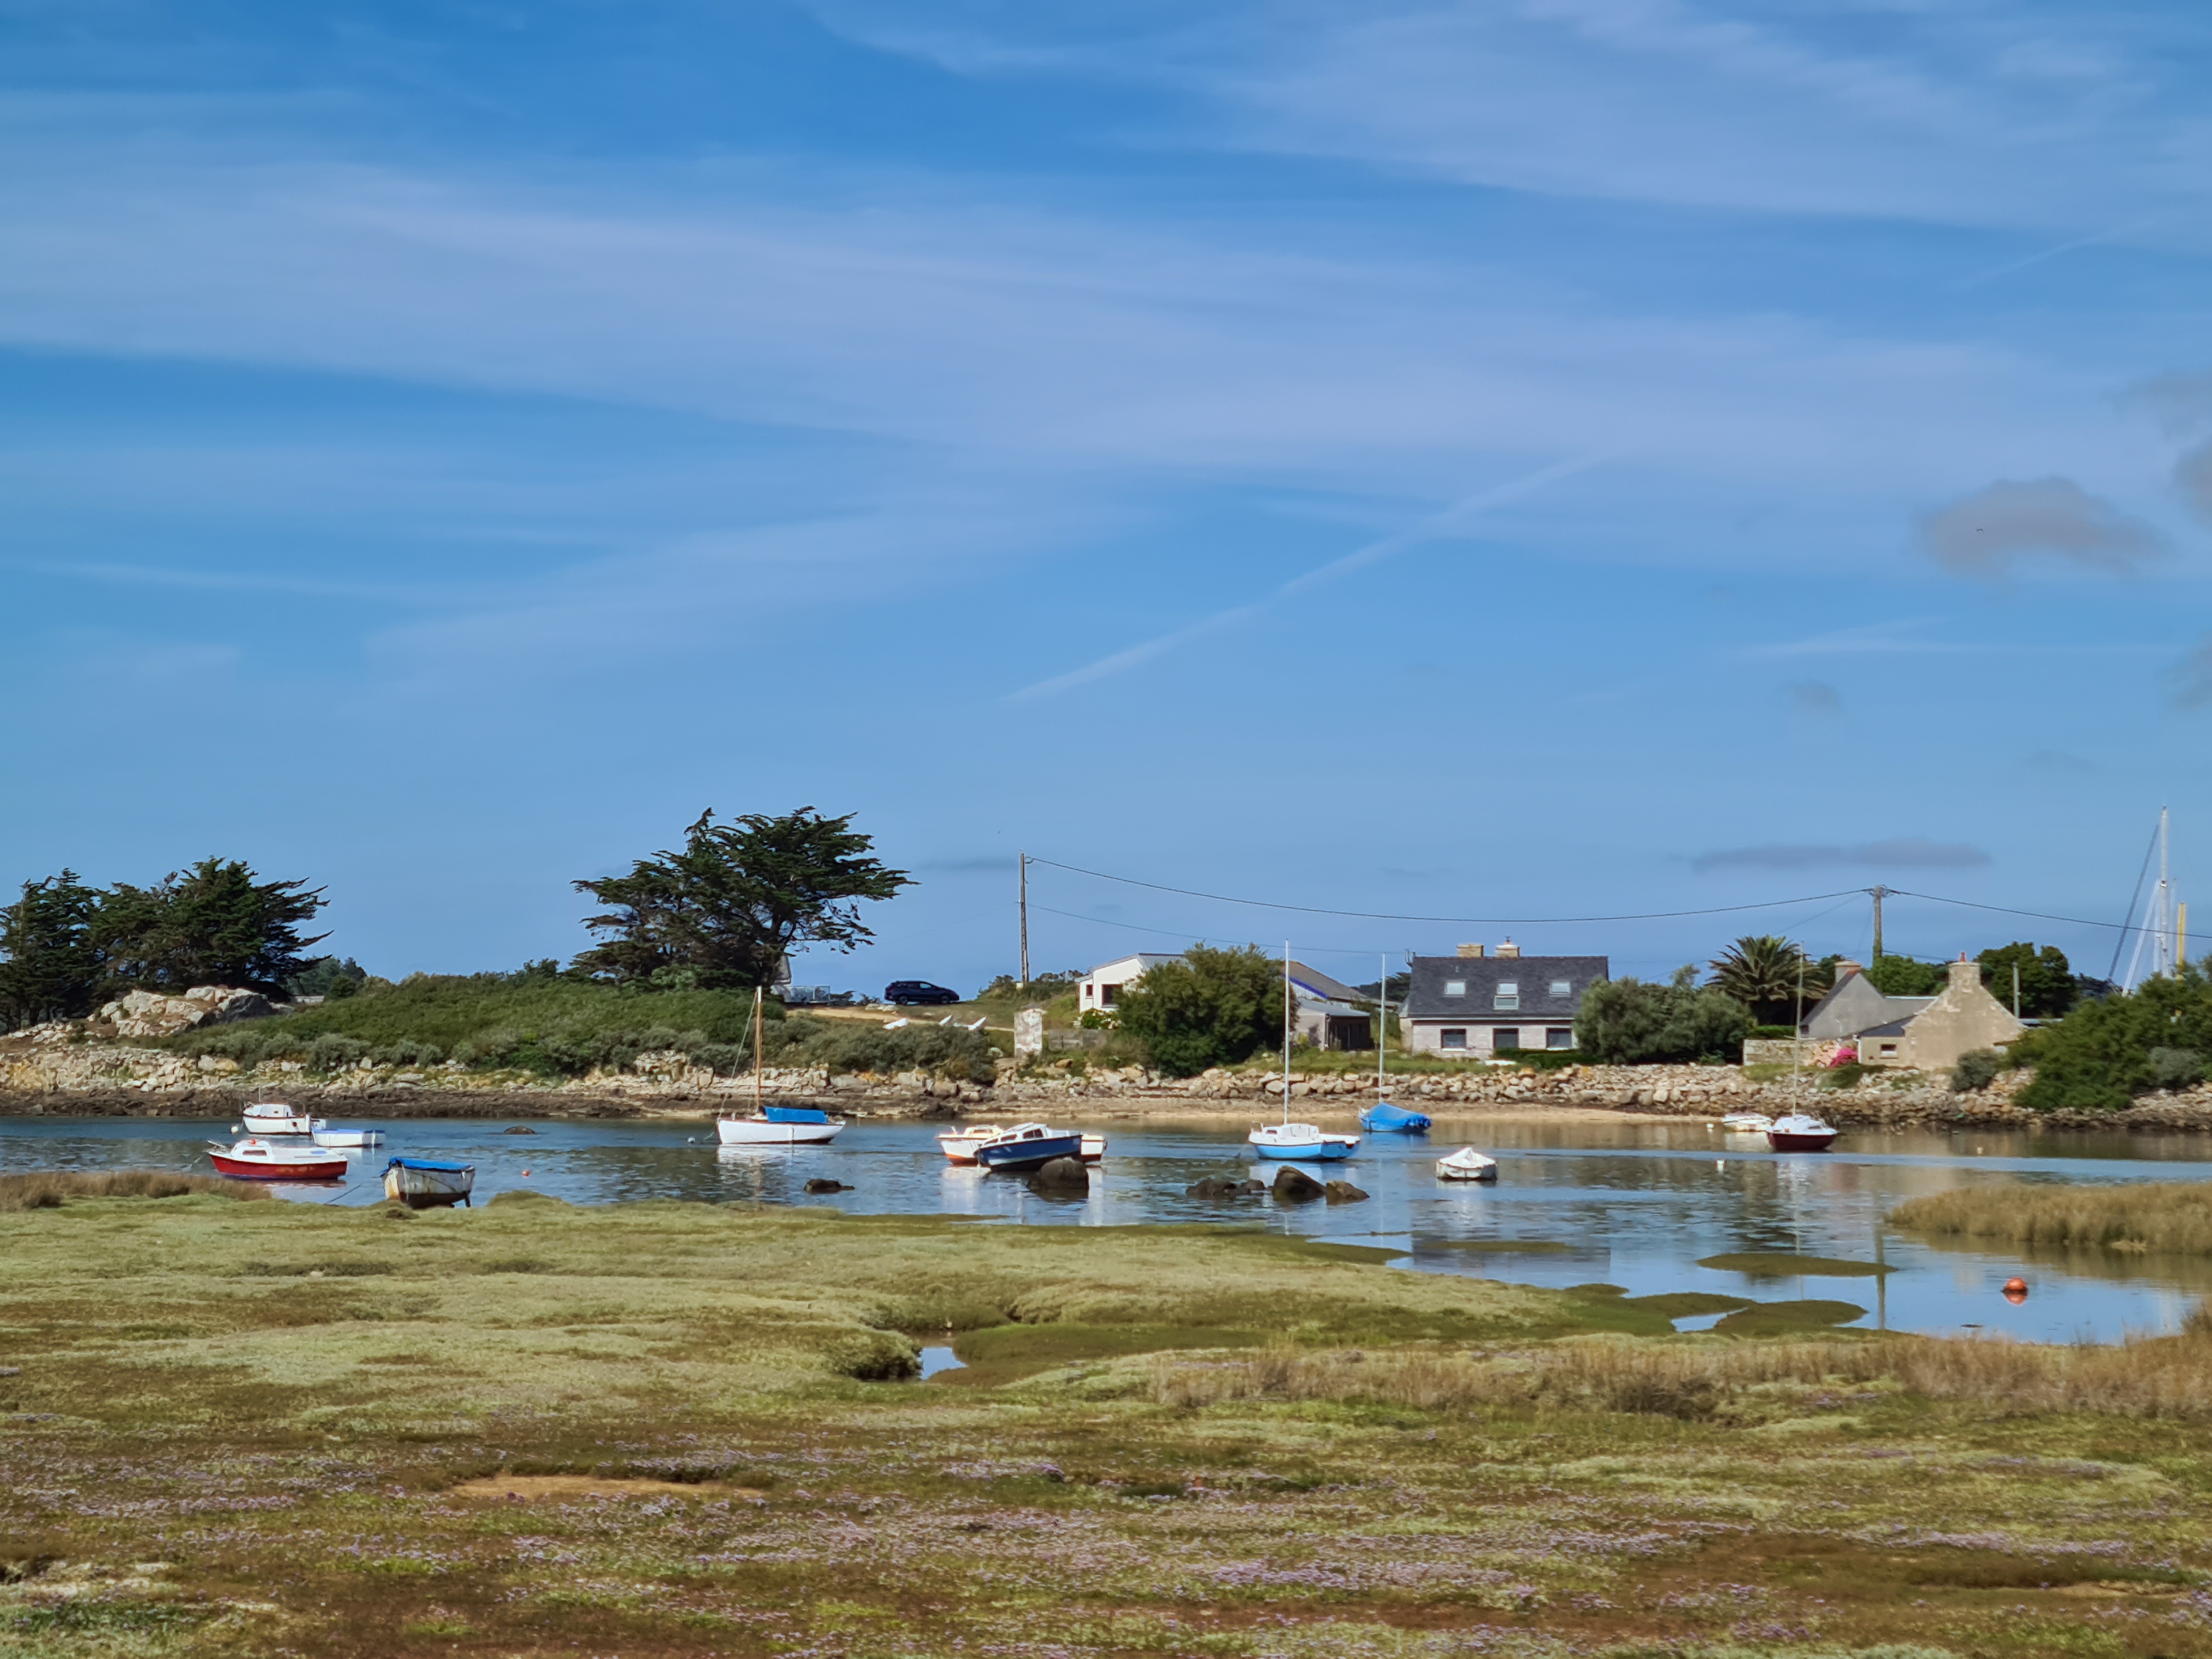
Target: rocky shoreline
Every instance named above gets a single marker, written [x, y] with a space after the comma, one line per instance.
[114, 1080]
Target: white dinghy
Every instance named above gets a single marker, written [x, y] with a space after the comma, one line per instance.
[1466, 1164]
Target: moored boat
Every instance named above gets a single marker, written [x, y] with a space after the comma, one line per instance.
[423, 1183]
[959, 1146]
[1747, 1123]
[1303, 1141]
[324, 1136]
[255, 1159]
[1466, 1164]
[270, 1117]
[1028, 1146]
[1384, 1117]
[779, 1125]
[1799, 1133]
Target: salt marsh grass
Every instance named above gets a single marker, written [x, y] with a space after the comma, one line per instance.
[49, 1189]
[2166, 1217]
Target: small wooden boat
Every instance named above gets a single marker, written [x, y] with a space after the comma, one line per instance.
[779, 1125]
[255, 1159]
[1303, 1141]
[1384, 1117]
[1028, 1146]
[1747, 1123]
[1799, 1133]
[959, 1146]
[271, 1118]
[363, 1138]
[1466, 1164]
[424, 1183]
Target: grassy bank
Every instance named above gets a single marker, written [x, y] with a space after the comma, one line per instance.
[2130, 1217]
[554, 1027]
[270, 1429]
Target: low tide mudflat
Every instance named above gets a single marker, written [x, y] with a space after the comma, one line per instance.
[667, 1428]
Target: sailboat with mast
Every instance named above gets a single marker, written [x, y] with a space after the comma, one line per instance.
[1383, 1116]
[775, 1126]
[1305, 1142]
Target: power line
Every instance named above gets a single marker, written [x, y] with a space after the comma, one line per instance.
[2033, 915]
[1385, 915]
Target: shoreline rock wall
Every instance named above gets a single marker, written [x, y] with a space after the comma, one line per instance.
[44, 1072]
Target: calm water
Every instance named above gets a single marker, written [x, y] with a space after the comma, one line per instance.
[1636, 1205]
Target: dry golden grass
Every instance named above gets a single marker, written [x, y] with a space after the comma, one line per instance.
[49, 1189]
[2166, 1216]
[2151, 1377]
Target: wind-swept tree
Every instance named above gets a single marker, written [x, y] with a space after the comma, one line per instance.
[725, 909]
[213, 924]
[1766, 973]
[52, 968]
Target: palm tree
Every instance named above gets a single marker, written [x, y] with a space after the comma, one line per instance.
[1764, 972]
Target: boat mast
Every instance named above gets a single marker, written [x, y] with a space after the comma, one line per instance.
[1381, 1020]
[1286, 1032]
[759, 991]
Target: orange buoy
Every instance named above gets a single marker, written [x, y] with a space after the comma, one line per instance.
[2015, 1291]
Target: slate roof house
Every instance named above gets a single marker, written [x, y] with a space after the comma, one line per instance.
[1930, 1032]
[1473, 1004]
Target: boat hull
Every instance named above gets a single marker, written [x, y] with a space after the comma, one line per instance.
[268, 1169]
[959, 1149]
[760, 1132]
[1330, 1149]
[1466, 1164]
[364, 1138]
[278, 1123]
[422, 1185]
[1781, 1142]
[1015, 1156]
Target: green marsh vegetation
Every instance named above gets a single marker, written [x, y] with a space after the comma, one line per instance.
[2164, 1217]
[669, 1429]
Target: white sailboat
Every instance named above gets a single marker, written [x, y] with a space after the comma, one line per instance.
[1305, 1142]
[775, 1126]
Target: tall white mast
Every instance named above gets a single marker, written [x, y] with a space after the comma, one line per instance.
[1382, 1021]
[2154, 933]
[1286, 1030]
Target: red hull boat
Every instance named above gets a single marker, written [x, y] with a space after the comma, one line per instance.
[257, 1160]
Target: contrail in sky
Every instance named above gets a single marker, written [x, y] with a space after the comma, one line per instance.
[1358, 559]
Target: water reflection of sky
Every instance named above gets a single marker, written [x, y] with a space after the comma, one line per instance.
[1635, 1205]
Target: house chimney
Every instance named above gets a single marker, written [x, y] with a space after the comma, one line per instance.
[1846, 968]
[1509, 949]
[1470, 949]
[1966, 976]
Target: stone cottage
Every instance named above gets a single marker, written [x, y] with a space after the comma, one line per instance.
[1927, 1032]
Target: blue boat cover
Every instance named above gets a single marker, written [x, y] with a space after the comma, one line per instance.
[1384, 1115]
[796, 1115]
[428, 1164]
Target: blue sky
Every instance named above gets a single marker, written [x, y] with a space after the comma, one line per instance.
[1543, 458]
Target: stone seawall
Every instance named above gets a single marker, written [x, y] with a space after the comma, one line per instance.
[62, 1078]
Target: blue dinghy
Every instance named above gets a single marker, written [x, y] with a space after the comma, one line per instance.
[1383, 1116]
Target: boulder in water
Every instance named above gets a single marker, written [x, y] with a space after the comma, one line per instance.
[1062, 1175]
[1217, 1187]
[1343, 1192]
[822, 1184]
[1296, 1187]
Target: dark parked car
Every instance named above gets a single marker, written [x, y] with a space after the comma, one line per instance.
[904, 992]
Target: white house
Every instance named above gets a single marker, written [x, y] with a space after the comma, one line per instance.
[1328, 1014]
[1102, 987]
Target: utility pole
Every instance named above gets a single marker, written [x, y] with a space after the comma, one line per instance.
[1025, 921]
[2015, 990]
[1880, 893]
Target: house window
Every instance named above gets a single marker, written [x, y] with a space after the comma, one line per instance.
[1452, 1036]
[1505, 1036]
[1889, 1048]
[1558, 1036]
[1455, 988]
[1509, 995]
[1562, 989]
[1106, 994]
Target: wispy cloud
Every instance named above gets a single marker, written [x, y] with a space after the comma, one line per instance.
[1432, 528]
[1900, 637]
[1984, 534]
[2189, 682]
[1904, 853]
